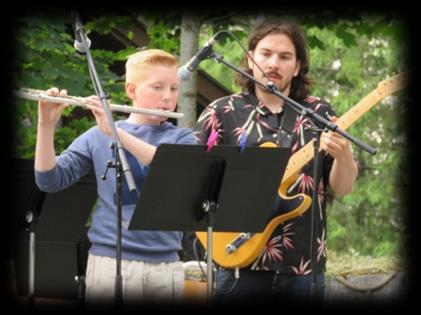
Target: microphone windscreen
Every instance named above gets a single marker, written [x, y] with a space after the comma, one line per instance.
[80, 47]
[184, 74]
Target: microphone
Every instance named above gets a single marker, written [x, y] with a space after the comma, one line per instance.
[185, 72]
[79, 44]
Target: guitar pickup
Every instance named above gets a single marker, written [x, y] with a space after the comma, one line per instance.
[237, 242]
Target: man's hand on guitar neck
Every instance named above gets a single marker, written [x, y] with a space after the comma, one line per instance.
[336, 145]
[344, 170]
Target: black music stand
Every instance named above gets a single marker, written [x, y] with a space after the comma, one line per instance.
[224, 190]
[47, 265]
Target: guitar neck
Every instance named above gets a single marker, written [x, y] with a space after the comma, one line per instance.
[306, 153]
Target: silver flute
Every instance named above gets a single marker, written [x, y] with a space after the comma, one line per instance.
[36, 95]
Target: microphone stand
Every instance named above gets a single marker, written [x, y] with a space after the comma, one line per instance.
[316, 132]
[121, 165]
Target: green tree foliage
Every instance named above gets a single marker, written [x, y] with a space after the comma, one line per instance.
[229, 48]
[45, 58]
[162, 36]
[369, 219]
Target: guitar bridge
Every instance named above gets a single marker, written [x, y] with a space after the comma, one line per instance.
[237, 242]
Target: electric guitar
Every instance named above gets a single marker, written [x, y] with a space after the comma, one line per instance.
[232, 250]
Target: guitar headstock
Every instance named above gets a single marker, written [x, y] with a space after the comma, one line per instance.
[392, 84]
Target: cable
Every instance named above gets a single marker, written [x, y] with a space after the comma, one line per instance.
[196, 255]
[237, 273]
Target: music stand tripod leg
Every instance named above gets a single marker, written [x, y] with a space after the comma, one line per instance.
[30, 218]
[209, 206]
[31, 266]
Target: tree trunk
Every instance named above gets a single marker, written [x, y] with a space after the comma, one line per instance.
[190, 27]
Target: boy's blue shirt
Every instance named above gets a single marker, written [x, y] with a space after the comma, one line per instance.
[91, 151]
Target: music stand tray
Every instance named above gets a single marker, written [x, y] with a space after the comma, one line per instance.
[178, 181]
[224, 190]
[47, 267]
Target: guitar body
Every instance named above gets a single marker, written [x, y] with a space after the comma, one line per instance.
[243, 251]
[285, 209]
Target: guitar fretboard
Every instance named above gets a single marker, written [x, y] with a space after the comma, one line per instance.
[306, 153]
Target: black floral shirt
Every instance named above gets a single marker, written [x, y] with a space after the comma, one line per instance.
[242, 119]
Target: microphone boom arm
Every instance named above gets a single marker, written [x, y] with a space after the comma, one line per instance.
[308, 112]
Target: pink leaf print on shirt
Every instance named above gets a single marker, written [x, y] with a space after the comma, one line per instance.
[295, 147]
[211, 121]
[312, 99]
[211, 140]
[321, 197]
[306, 183]
[229, 107]
[321, 191]
[301, 269]
[272, 251]
[300, 123]
[321, 249]
[316, 108]
[286, 233]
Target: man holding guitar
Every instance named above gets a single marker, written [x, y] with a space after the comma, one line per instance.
[281, 268]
